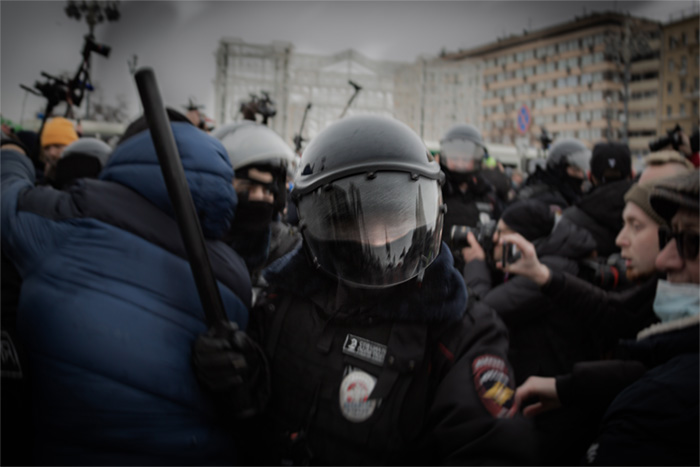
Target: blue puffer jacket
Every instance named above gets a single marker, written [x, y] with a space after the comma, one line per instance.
[109, 308]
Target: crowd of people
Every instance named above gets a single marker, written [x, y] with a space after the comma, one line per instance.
[383, 305]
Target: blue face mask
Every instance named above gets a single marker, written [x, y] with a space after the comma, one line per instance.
[675, 301]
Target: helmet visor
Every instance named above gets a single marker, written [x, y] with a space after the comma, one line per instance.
[460, 154]
[580, 159]
[373, 232]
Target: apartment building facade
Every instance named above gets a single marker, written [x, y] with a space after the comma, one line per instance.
[680, 83]
[569, 79]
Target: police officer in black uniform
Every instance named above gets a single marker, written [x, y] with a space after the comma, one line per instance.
[561, 182]
[470, 198]
[376, 355]
[263, 162]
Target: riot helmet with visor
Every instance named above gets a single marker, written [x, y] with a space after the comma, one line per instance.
[462, 149]
[369, 202]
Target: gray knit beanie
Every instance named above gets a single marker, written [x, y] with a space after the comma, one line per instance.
[639, 195]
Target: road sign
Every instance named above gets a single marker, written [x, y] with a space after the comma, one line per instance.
[524, 119]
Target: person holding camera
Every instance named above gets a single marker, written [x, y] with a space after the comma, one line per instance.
[677, 140]
[543, 340]
[648, 397]
[470, 198]
[376, 354]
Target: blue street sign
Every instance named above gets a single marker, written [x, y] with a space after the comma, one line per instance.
[524, 119]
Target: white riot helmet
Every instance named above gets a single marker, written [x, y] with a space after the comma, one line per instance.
[252, 144]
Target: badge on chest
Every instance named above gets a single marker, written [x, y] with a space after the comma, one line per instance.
[364, 349]
[355, 404]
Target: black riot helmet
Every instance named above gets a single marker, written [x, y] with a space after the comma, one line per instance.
[369, 202]
[254, 145]
[461, 149]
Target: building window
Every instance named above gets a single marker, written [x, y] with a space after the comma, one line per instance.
[682, 86]
[668, 110]
[672, 42]
[681, 110]
[684, 64]
[669, 87]
[695, 108]
[684, 39]
[670, 66]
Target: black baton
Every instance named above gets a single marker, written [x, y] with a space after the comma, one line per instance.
[180, 197]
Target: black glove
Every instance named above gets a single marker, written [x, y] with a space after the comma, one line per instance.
[231, 366]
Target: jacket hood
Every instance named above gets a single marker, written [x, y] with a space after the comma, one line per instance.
[134, 164]
[441, 296]
[567, 240]
[606, 203]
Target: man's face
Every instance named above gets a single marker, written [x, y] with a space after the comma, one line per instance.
[679, 268]
[501, 229]
[638, 241]
[256, 191]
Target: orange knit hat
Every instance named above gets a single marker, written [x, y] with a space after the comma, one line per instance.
[58, 130]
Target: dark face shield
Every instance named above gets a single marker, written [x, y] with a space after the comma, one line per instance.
[460, 155]
[373, 232]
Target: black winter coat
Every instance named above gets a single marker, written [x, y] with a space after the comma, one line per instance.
[544, 341]
[408, 375]
[600, 212]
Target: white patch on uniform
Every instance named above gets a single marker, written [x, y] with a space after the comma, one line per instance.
[355, 389]
[364, 349]
[612, 163]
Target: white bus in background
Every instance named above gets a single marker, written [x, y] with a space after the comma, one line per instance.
[522, 158]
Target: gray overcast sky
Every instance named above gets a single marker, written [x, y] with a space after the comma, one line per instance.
[178, 38]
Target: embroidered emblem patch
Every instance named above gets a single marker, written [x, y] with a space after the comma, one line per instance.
[355, 389]
[11, 367]
[364, 349]
[494, 386]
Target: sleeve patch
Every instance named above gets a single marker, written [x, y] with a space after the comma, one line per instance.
[494, 385]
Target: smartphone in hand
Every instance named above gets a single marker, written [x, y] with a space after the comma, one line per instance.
[510, 254]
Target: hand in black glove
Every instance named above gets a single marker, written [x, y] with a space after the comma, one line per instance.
[233, 368]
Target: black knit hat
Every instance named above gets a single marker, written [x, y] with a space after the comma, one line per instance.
[611, 162]
[677, 192]
[530, 218]
[140, 124]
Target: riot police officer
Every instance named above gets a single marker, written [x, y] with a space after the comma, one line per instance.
[561, 183]
[471, 200]
[262, 162]
[375, 353]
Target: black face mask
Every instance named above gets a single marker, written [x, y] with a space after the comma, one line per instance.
[252, 216]
[575, 184]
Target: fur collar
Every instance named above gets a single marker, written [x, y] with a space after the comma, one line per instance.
[675, 325]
